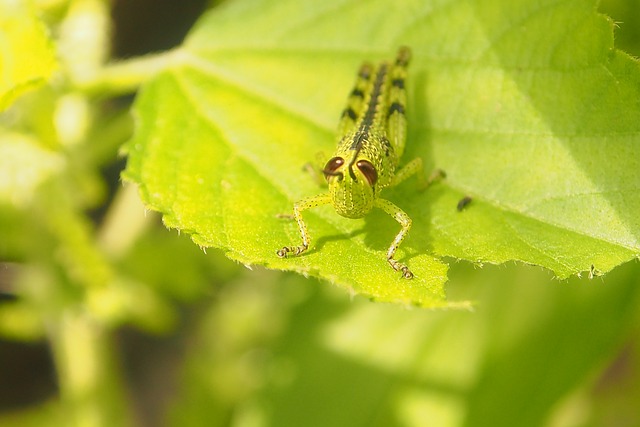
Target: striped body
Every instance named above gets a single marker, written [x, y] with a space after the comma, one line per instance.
[373, 130]
[371, 140]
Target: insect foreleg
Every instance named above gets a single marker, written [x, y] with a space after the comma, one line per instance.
[415, 167]
[304, 204]
[404, 220]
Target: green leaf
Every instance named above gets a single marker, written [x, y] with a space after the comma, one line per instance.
[526, 106]
[324, 361]
[27, 55]
[24, 166]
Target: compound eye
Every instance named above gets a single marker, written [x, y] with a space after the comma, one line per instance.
[332, 166]
[368, 170]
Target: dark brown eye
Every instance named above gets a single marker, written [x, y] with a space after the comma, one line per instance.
[368, 170]
[332, 166]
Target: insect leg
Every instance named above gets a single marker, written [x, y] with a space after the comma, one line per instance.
[355, 102]
[397, 102]
[404, 220]
[304, 204]
[415, 167]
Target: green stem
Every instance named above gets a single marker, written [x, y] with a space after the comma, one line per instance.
[126, 76]
[90, 389]
[126, 220]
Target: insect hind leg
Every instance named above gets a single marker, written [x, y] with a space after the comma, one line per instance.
[396, 112]
[355, 102]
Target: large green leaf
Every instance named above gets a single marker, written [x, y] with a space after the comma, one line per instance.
[525, 105]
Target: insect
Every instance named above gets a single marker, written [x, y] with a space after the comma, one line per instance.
[463, 203]
[371, 139]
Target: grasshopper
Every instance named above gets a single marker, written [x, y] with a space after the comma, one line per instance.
[371, 139]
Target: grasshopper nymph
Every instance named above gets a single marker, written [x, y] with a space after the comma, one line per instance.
[372, 134]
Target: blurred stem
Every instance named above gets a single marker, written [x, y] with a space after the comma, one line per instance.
[84, 38]
[84, 46]
[125, 221]
[82, 262]
[90, 381]
[126, 76]
[92, 395]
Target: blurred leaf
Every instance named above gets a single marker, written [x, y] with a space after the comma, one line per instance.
[27, 55]
[531, 343]
[48, 413]
[613, 398]
[174, 266]
[625, 14]
[228, 356]
[525, 105]
[24, 166]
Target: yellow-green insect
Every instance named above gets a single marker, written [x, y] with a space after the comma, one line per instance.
[372, 135]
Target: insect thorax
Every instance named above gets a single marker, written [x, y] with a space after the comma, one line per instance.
[365, 165]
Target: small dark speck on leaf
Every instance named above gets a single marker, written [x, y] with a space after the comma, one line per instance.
[463, 203]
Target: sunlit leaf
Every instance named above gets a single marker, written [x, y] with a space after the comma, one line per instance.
[526, 106]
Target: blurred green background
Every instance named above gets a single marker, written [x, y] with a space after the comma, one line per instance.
[187, 338]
